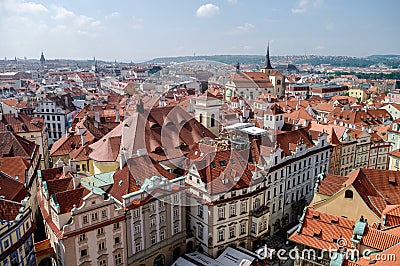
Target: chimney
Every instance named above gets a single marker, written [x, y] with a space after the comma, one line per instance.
[97, 115]
[140, 107]
[117, 116]
[81, 132]
[76, 180]
[269, 98]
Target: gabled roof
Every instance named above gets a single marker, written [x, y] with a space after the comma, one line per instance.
[12, 189]
[12, 145]
[158, 131]
[220, 171]
[70, 198]
[9, 209]
[289, 140]
[51, 173]
[21, 124]
[331, 184]
[14, 167]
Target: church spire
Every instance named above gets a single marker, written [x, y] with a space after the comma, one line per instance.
[42, 59]
[267, 61]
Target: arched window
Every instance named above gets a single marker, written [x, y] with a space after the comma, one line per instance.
[213, 120]
[201, 118]
[348, 194]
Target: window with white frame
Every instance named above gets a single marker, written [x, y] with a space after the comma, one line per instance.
[221, 235]
[138, 247]
[243, 207]
[137, 229]
[233, 210]
[242, 228]
[221, 212]
[200, 232]
[232, 232]
[162, 235]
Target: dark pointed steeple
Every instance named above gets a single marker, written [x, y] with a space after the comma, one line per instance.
[42, 59]
[238, 67]
[267, 61]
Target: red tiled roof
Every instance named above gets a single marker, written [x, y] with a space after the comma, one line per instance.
[331, 184]
[65, 145]
[318, 231]
[9, 209]
[221, 171]
[21, 124]
[12, 145]
[12, 189]
[14, 167]
[51, 173]
[132, 175]
[68, 199]
[295, 137]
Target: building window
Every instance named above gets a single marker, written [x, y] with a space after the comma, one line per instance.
[257, 203]
[221, 213]
[83, 253]
[85, 219]
[200, 210]
[103, 213]
[100, 231]
[233, 210]
[153, 239]
[253, 227]
[176, 212]
[136, 213]
[103, 263]
[201, 118]
[243, 207]
[138, 247]
[213, 120]
[242, 229]
[232, 232]
[116, 226]
[162, 235]
[102, 246]
[162, 218]
[176, 228]
[200, 232]
[82, 237]
[348, 194]
[153, 222]
[221, 235]
[117, 240]
[118, 259]
[95, 216]
[137, 229]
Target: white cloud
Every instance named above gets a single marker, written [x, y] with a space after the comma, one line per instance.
[304, 5]
[22, 7]
[245, 27]
[319, 47]
[137, 23]
[62, 13]
[112, 15]
[232, 2]
[207, 10]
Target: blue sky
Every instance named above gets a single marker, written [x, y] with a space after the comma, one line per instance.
[139, 30]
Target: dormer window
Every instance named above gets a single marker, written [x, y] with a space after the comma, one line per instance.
[348, 194]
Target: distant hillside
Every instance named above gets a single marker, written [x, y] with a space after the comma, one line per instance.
[226, 59]
[389, 60]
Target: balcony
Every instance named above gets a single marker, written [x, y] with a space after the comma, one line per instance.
[260, 211]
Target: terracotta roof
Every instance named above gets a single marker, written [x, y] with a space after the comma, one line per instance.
[12, 189]
[395, 153]
[391, 215]
[331, 184]
[21, 124]
[51, 173]
[59, 185]
[14, 167]
[65, 145]
[287, 139]
[146, 131]
[220, 171]
[324, 107]
[299, 114]
[68, 199]
[319, 230]
[9, 209]
[12, 145]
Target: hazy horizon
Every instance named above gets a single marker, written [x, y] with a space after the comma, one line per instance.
[141, 31]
